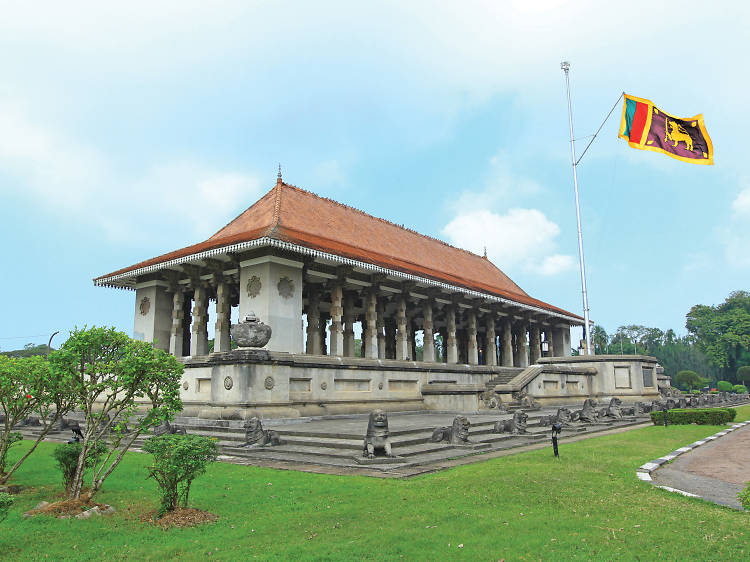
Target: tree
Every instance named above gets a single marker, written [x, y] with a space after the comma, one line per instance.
[112, 376]
[31, 385]
[743, 374]
[178, 460]
[600, 340]
[723, 331]
[689, 379]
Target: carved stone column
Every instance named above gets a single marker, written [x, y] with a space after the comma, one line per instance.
[313, 321]
[471, 335]
[428, 345]
[535, 344]
[558, 344]
[402, 350]
[550, 342]
[199, 341]
[490, 349]
[223, 318]
[507, 344]
[523, 357]
[371, 334]
[451, 347]
[411, 343]
[381, 328]
[178, 315]
[349, 320]
[337, 312]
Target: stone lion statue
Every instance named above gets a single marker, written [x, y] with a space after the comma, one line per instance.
[614, 410]
[256, 436]
[515, 425]
[166, 428]
[456, 434]
[588, 413]
[377, 440]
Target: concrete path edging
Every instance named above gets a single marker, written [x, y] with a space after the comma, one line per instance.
[644, 471]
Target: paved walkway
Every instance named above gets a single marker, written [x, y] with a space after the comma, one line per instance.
[715, 471]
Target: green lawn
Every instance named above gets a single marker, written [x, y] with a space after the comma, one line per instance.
[586, 505]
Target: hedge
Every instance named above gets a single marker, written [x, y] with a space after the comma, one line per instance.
[700, 416]
[739, 388]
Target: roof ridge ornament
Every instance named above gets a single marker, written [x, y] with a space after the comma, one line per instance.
[279, 181]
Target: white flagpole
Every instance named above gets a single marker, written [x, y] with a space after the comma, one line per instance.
[565, 65]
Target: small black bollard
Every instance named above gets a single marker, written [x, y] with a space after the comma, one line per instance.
[665, 410]
[556, 429]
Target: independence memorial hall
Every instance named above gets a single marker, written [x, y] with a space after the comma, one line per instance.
[315, 271]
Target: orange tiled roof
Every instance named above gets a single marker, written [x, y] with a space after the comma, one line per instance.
[293, 215]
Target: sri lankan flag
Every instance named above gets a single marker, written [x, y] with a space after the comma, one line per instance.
[646, 127]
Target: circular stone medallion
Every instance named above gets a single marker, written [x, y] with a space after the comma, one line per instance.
[268, 383]
[286, 287]
[185, 385]
[254, 286]
[228, 383]
[323, 385]
[380, 386]
[145, 306]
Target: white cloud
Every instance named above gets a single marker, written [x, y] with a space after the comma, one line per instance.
[736, 232]
[741, 204]
[77, 183]
[521, 238]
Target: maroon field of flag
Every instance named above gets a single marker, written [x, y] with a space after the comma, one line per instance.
[646, 127]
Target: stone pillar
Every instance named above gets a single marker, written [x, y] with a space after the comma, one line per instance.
[535, 344]
[507, 344]
[178, 317]
[381, 328]
[337, 311]
[471, 334]
[428, 346]
[222, 341]
[402, 349]
[490, 348]
[199, 342]
[390, 338]
[557, 343]
[272, 287]
[451, 348]
[349, 320]
[370, 334]
[523, 356]
[550, 342]
[152, 321]
[313, 321]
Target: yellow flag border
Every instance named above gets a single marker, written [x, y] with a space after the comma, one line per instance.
[641, 145]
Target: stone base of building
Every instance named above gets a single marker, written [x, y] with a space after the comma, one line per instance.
[237, 384]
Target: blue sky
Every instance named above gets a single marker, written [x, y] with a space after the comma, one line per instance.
[131, 131]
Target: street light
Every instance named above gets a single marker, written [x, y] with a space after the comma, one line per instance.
[545, 348]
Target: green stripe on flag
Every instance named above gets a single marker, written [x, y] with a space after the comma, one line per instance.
[629, 113]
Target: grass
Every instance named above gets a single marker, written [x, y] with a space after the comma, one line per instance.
[587, 505]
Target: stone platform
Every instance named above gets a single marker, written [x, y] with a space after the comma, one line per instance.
[336, 442]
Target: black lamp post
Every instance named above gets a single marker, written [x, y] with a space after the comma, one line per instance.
[556, 429]
[545, 348]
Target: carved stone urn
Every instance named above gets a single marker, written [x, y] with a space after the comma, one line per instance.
[251, 332]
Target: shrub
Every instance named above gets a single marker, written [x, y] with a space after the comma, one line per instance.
[744, 497]
[67, 455]
[739, 388]
[703, 416]
[178, 460]
[13, 438]
[724, 386]
[696, 392]
[6, 500]
[743, 373]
